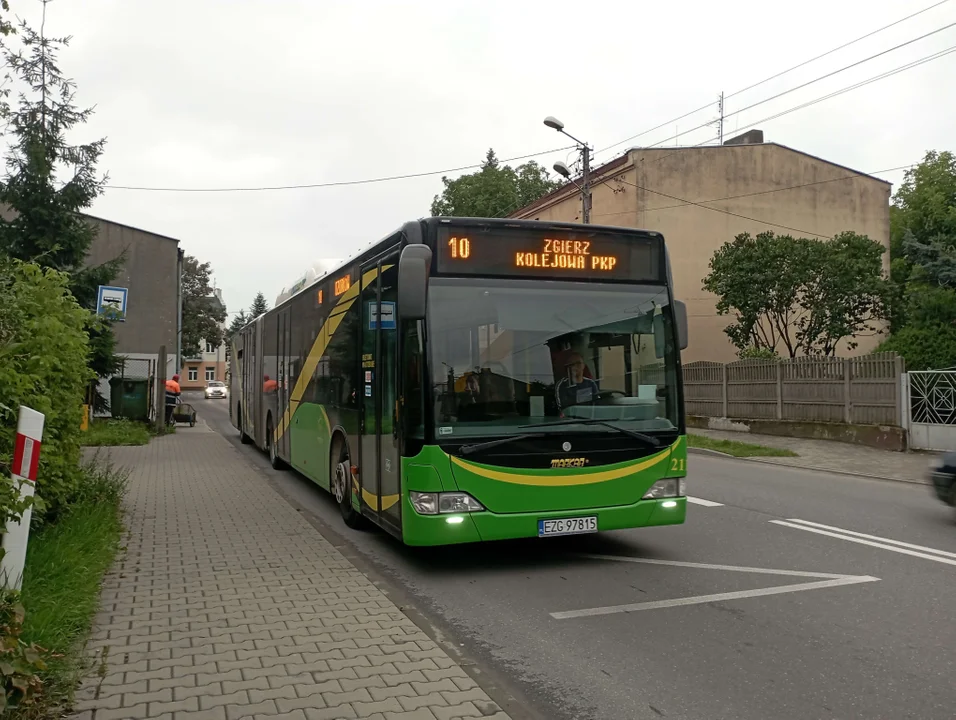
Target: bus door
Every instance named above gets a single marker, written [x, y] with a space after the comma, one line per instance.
[253, 363]
[379, 472]
[283, 387]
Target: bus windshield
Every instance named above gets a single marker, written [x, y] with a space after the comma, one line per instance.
[506, 353]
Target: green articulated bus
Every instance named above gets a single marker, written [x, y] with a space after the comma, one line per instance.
[470, 379]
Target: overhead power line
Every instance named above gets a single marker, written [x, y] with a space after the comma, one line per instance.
[875, 78]
[367, 181]
[337, 183]
[828, 96]
[720, 210]
[855, 86]
[775, 76]
[830, 52]
[765, 192]
[809, 82]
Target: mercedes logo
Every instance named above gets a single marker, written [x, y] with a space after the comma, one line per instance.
[566, 446]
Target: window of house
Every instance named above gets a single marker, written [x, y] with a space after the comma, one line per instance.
[210, 348]
[210, 373]
[193, 374]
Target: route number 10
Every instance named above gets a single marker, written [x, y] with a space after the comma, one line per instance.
[460, 247]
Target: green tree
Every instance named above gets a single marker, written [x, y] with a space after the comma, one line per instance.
[6, 27]
[797, 295]
[923, 248]
[494, 190]
[759, 280]
[925, 203]
[924, 346]
[47, 226]
[258, 307]
[238, 322]
[845, 295]
[43, 365]
[203, 314]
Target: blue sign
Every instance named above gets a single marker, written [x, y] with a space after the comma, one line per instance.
[112, 301]
[388, 316]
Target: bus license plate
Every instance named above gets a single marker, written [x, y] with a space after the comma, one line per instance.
[568, 526]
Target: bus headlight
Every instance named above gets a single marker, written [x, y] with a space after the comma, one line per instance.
[424, 503]
[458, 502]
[666, 488]
[429, 503]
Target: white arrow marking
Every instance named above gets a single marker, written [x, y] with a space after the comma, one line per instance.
[829, 580]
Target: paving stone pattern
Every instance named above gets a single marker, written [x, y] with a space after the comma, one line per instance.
[227, 604]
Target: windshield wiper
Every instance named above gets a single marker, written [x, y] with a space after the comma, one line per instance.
[475, 447]
[649, 439]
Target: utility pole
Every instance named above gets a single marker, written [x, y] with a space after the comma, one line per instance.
[586, 185]
[720, 121]
[562, 169]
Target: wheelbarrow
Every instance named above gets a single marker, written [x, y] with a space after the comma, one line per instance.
[184, 413]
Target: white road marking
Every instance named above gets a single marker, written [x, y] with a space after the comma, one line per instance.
[709, 566]
[829, 580]
[849, 536]
[718, 597]
[934, 551]
[705, 503]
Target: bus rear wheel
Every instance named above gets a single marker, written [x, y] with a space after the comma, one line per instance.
[274, 458]
[342, 488]
[243, 438]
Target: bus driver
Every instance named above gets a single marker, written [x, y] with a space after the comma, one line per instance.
[575, 388]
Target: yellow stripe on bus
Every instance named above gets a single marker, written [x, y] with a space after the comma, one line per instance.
[318, 347]
[369, 498]
[563, 480]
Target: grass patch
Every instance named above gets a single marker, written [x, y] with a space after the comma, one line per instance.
[65, 565]
[115, 432]
[737, 449]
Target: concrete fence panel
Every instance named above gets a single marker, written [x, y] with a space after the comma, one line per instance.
[862, 390]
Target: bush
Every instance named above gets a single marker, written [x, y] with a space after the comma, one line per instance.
[924, 347]
[757, 353]
[43, 365]
[61, 584]
[20, 663]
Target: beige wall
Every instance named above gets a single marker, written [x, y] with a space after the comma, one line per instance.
[650, 188]
[200, 366]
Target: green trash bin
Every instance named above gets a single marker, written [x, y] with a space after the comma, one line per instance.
[129, 398]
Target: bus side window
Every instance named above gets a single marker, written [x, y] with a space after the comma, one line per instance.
[413, 389]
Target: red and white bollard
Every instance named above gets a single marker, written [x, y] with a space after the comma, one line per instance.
[26, 458]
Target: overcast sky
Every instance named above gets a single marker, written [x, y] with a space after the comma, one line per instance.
[234, 93]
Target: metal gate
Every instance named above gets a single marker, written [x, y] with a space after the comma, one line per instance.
[931, 420]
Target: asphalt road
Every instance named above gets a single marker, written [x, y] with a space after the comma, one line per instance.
[687, 622]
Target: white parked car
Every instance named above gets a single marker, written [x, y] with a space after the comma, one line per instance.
[216, 389]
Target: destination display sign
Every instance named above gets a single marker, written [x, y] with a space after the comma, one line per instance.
[558, 254]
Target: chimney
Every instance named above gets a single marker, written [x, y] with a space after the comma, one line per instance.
[751, 137]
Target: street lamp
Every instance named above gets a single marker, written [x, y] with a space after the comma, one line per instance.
[562, 169]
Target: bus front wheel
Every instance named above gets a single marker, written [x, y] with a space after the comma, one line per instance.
[342, 488]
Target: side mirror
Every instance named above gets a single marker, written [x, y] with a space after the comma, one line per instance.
[680, 318]
[413, 268]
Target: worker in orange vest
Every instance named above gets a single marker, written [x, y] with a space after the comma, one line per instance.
[173, 391]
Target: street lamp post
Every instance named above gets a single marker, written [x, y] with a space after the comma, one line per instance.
[562, 169]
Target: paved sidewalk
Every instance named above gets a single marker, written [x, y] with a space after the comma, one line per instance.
[835, 456]
[227, 604]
